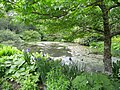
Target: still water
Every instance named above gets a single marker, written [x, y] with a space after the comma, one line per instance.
[80, 55]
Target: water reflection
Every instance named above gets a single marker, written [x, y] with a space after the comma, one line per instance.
[53, 49]
[70, 52]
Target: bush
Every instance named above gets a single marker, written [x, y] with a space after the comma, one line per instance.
[44, 64]
[29, 83]
[4, 52]
[73, 69]
[56, 80]
[98, 47]
[30, 35]
[116, 49]
[6, 86]
[16, 68]
[93, 81]
[87, 40]
[26, 69]
[6, 35]
[116, 69]
[8, 51]
[116, 39]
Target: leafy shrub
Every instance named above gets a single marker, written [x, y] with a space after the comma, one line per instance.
[10, 61]
[30, 70]
[87, 40]
[17, 69]
[51, 37]
[17, 27]
[6, 86]
[1, 45]
[93, 81]
[27, 56]
[27, 69]
[6, 35]
[116, 45]
[29, 83]
[98, 47]
[8, 51]
[2, 69]
[116, 38]
[44, 64]
[73, 69]
[56, 80]
[4, 52]
[116, 69]
[116, 75]
[30, 35]
[116, 49]
[116, 83]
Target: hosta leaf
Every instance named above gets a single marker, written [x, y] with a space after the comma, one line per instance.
[19, 62]
[8, 63]
[23, 73]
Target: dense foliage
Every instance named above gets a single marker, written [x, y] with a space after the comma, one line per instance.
[94, 23]
[71, 17]
[22, 70]
[6, 35]
[92, 81]
[30, 35]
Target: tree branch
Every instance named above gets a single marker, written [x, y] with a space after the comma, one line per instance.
[114, 6]
[41, 13]
[51, 15]
[115, 33]
[96, 30]
[96, 3]
[61, 13]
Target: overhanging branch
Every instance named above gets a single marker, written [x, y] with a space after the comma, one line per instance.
[41, 13]
[96, 30]
[51, 15]
[62, 12]
[96, 3]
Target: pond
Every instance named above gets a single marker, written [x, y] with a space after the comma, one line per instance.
[70, 53]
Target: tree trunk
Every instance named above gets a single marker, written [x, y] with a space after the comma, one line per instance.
[107, 52]
[107, 41]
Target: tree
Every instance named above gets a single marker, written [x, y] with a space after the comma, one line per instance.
[107, 32]
[101, 16]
